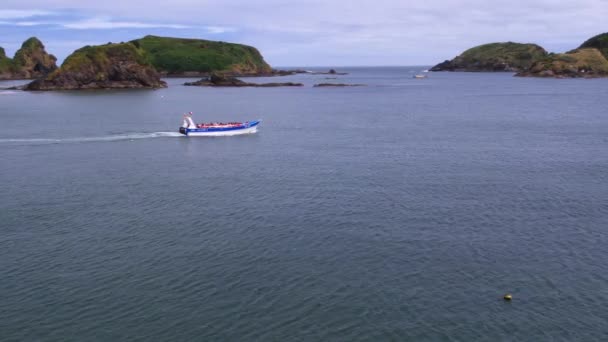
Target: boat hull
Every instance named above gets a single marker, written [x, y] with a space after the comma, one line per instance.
[247, 128]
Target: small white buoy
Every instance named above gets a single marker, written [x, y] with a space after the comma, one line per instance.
[508, 296]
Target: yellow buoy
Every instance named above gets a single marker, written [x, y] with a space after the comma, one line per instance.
[507, 296]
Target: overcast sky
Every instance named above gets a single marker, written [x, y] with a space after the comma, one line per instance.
[310, 32]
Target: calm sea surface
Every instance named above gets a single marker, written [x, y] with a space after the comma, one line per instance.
[400, 211]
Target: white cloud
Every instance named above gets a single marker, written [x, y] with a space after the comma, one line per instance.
[219, 29]
[106, 24]
[31, 23]
[22, 14]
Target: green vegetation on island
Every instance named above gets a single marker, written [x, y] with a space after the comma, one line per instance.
[190, 57]
[599, 42]
[495, 57]
[30, 61]
[6, 65]
[588, 62]
[102, 67]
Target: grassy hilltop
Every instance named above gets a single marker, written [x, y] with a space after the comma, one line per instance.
[30, 61]
[495, 57]
[178, 56]
[588, 62]
[599, 42]
[101, 56]
[141, 62]
[101, 67]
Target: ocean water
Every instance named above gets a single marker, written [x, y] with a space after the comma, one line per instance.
[399, 211]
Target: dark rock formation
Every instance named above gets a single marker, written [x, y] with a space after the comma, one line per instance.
[330, 72]
[286, 72]
[510, 57]
[30, 61]
[219, 80]
[110, 66]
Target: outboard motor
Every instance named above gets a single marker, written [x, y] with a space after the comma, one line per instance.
[187, 123]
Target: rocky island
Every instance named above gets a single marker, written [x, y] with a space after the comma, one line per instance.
[590, 60]
[330, 72]
[588, 63]
[220, 80]
[30, 61]
[509, 57]
[109, 66]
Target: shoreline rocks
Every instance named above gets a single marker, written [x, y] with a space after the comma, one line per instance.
[273, 73]
[330, 72]
[220, 80]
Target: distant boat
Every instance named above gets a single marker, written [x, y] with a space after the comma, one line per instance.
[215, 129]
[421, 76]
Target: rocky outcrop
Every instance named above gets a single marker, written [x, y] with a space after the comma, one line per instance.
[588, 63]
[110, 66]
[330, 72]
[285, 72]
[510, 57]
[30, 61]
[219, 80]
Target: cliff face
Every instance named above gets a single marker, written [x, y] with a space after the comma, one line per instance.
[30, 61]
[599, 42]
[510, 57]
[102, 67]
[586, 62]
[193, 57]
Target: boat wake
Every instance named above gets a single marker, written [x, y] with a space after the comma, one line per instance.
[116, 137]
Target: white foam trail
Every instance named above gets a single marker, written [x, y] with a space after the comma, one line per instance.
[7, 92]
[117, 137]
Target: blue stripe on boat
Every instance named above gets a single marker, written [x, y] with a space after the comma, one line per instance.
[224, 129]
